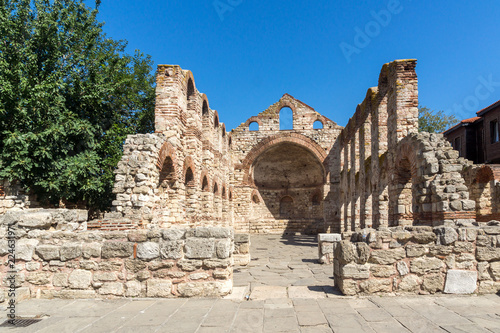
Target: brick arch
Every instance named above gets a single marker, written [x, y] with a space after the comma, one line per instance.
[204, 173]
[485, 174]
[187, 77]
[254, 119]
[255, 193]
[167, 150]
[188, 163]
[267, 143]
[204, 99]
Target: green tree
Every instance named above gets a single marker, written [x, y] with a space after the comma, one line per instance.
[69, 96]
[434, 121]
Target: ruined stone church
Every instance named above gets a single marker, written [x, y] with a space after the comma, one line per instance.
[377, 171]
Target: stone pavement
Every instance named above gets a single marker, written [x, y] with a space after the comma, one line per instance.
[288, 292]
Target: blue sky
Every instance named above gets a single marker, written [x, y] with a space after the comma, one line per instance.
[246, 54]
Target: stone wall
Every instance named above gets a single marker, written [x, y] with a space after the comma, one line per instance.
[180, 175]
[13, 197]
[419, 260]
[484, 188]
[273, 165]
[136, 263]
[241, 253]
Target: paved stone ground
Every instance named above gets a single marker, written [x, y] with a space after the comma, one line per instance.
[284, 263]
[295, 299]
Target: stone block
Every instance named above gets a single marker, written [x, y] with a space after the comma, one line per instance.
[416, 250]
[433, 283]
[326, 248]
[376, 286]
[223, 248]
[189, 265]
[79, 279]
[402, 268]
[104, 276]
[213, 232]
[460, 282]
[132, 289]
[91, 250]
[89, 265]
[488, 253]
[463, 247]
[173, 234]
[424, 237]
[60, 280]
[48, 252]
[329, 238]
[347, 287]
[38, 278]
[446, 235]
[118, 249]
[70, 251]
[25, 249]
[383, 270]
[138, 236]
[426, 265]
[158, 288]
[204, 289]
[35, 220]
[495, 270]
[148, 250]
[32, 266]
[355, 271]
[385, 257]
[209, 263]
[171, 249]
[198, 276]
[409, 283]
[112, 288]
[199, 248]
[4, 247]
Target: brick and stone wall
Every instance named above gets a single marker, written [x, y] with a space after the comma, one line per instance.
[139, 263]
[419, 260]
[391, 174]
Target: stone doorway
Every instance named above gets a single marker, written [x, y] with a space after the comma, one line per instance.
[284, 267]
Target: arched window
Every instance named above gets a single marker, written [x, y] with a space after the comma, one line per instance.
[204, 184]
[318, 124]
[167, 172]
[189, 177]
[230, 195]
[190, 89]
[255, 199]
[286, 119]
[254, 126]
[223, 193]
[216, 121]
[286, 207]
[204, 110]
[216, 189]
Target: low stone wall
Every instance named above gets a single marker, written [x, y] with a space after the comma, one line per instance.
[419, 260]
[140, 263]
[326, 246]
[241, 253]
[46, 219]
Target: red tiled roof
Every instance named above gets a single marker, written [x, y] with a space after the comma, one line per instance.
[470, 120]
[488, 107]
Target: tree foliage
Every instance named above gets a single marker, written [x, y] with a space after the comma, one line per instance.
[434, 121]
[69, 96]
